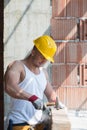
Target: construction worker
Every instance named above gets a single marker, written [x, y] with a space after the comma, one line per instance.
[26, 82]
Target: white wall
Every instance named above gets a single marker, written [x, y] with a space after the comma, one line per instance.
[24, 20]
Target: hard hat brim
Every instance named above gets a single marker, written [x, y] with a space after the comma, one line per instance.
[46, 57]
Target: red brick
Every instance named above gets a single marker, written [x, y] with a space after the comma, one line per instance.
[84, 8]
[83, 74]
[54, 75]
[83, 29]
[72, 8]
[64, 29]
[60, 54]
[69, 8]
[71, 53]
[58, 75]
[58, 8]
[83, 53]
[71, 76]
[76, 8]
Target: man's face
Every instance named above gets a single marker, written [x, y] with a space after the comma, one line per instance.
[37, 58]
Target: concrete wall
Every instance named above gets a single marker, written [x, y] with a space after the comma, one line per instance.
[24, 20]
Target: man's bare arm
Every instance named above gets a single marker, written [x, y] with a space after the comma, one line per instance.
[12, 79]
[49, 91]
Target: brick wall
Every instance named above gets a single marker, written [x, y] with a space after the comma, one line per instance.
[69, 30]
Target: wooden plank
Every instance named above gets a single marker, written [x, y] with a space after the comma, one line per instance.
[60, 120]
[1, 68]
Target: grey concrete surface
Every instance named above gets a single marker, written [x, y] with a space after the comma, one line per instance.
[78, 120]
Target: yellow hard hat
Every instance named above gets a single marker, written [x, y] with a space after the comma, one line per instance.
[46, 46]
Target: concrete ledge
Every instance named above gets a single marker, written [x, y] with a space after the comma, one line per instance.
[60, 120]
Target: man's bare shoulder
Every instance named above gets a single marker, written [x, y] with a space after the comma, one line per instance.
[15, 66]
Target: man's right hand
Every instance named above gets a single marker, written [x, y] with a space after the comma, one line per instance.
[37, 102]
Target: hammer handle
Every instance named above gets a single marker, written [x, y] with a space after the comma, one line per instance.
[50, 104]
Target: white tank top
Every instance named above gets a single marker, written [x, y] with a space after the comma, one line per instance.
[23, 110]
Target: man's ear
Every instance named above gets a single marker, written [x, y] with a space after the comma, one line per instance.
[33, 52]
